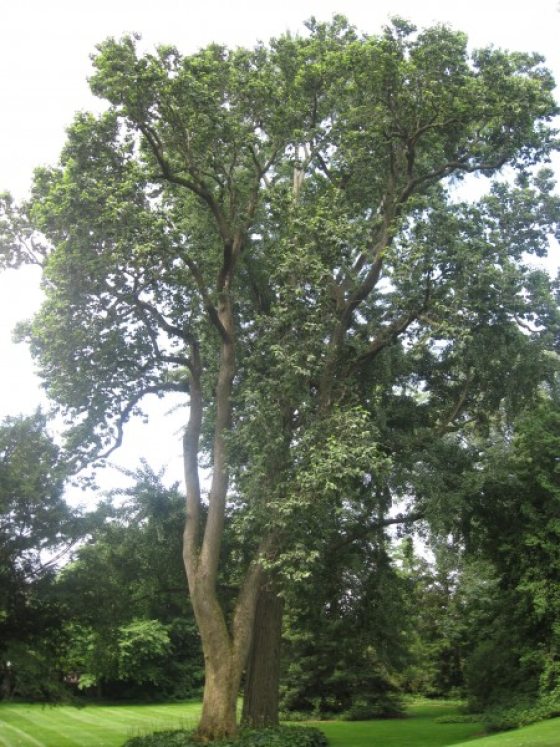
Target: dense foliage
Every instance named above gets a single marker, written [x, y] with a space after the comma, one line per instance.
[514, 522]
[36, 529]
[344, 640]
[288, 736]
[129, 622]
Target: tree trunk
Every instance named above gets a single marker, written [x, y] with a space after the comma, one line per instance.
[260, 703]
[225, 651]
[221, 688]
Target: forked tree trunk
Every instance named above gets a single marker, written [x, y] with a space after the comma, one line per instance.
[225, 654]
[225, 646]
[261, 694]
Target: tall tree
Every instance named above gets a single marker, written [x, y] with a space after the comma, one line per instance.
[274, 233]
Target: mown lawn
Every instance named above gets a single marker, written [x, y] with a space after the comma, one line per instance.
[545, 734]
[109, 726]
[418, 729]
[92, 726]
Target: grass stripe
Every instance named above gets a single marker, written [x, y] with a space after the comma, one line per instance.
[150, 714]
[170, 711]
[95, 722]
[42, 723]
[115, 721]
[61, 726]
[131, 715]
[97, 734]
[24, 734]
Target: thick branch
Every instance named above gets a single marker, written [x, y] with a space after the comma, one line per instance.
[210, 552]
[397, 327]
[444, 425]
[364, 530]
[162, 322]
[211, 309]
[360, 294]
[191, 439]
[446, 170]
[389, 334]
[194, 185]
[180, 360]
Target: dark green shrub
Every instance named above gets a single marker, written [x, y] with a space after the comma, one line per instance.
[459, 718]
[381, 705]
[284, 736]
[522, 712]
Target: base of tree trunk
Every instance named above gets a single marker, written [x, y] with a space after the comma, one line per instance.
[260, 703]
[219, 705]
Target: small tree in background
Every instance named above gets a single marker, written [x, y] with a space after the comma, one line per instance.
[37, 528]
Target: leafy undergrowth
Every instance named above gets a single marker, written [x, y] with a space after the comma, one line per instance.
[285, 736]
[520, 712]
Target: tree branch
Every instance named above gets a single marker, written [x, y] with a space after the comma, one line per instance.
[364, 530]
[396, 328]
[131, 404]
[443, 427]
[194, 185]
[191, 439]
[446, 170]
[388, 334]
[208, 305]
[162, 322]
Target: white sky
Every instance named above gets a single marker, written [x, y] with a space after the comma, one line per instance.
[44, 63]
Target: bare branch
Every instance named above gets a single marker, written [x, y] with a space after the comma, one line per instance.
[446, 170]
[444, 426]
[364, 529]
[127, 411]
[389, 334]
[162, 322]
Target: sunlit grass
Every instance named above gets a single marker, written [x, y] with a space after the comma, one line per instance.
[23, 725]
[545, 734]
[419, 728]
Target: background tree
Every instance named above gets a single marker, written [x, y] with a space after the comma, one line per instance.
[37, 529]
[130, 628]
[513, 522]
[345, 635]
[229, 198]
[440, 596]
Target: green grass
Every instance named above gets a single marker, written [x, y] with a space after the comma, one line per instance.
[93, 726]
[109, 726]
[417, 729]
[545, 734]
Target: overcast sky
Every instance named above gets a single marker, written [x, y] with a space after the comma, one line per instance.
[45, 47]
